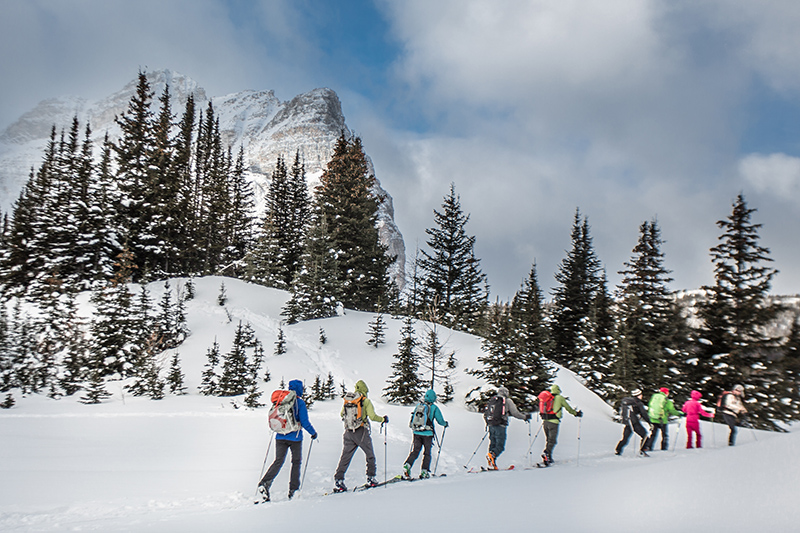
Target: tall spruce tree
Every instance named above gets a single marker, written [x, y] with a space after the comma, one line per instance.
[450, 279]
[578, 278]
[735, 348]
[346, 204]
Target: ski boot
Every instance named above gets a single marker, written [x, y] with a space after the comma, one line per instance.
[407, 471]
[263, 490]
[490, 461]
[547, 459]
[291, 494]
[339, 486]
[372, 481]
[643, 453]
[424, 474]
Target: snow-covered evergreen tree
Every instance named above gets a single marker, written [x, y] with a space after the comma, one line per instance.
[404, 386]
[377, 331]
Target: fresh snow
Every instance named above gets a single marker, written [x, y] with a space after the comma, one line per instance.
[191, 463]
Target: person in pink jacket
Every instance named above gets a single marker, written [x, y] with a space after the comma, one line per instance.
[693, 410]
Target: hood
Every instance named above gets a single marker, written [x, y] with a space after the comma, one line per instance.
[361, 387]
[430, 396]
[555, 389]
[696, 395]
[297, 386]
[502, 392]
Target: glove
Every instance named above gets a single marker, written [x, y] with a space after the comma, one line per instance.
[527, 417]
[314, 436]
[385, 419]
[579, 414]
[446, 424]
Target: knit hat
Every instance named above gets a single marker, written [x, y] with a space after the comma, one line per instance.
[636, 392]
[696, 395]
[738, 388]
[664, 390]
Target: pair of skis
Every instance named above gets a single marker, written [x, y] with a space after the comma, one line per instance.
[475, 470]
[390, 481]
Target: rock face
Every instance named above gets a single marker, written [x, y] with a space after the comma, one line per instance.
[256, 120]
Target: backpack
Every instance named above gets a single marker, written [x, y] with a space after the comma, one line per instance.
[352, 411]
[721, 400]
[421, 418]
[546, 405]
[495, 412]
[282, 417]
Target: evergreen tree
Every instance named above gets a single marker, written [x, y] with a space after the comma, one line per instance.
[240, 366]
[735, 348]
[210, 380]
[280, 344]
[347, 207]
[579, 280]
[377, 331]
[438, 362]
[96, 390]
[404, 386]
[175, 378]
[451, 281]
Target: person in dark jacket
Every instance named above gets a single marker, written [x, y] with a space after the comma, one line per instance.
[289, 441]
[497, 430]
[633, 412]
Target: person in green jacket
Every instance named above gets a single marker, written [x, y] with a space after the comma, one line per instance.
[659, 409]
[551, 420]
[358, 436]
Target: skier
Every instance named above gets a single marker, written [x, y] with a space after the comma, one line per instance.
[633, 413]
[660, 409]
[356, 415]
[423, 435]
[693, 410]
[289, 441]
[732, 409]
[552, 421]
[496, 415]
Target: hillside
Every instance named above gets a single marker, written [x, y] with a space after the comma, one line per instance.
[190, 463]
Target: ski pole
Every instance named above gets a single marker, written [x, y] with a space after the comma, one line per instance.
[385, 449]
[439, 453]
[578, 461]
[476, 449]
[308, 458]
[269, 446]
[677, 435]
[535, 437]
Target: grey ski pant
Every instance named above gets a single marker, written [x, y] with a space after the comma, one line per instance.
[551, 432]
[281, 447]
[351, 441]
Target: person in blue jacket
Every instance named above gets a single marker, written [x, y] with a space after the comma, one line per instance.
[423, 439]
[289, 441]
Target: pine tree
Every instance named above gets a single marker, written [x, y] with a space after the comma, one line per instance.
[347, 207]
[209, 385]
[377, 331]
[175, 378]
[579, 280]
[451, 281]
[280, 344]
[438, 362]
[735, 348]
[404, 386]
[240, 367]
[96, 390]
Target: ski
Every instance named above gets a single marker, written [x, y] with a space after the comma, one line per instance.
[389, 481]
[484, 469]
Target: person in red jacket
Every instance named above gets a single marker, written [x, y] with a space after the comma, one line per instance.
[693, 410]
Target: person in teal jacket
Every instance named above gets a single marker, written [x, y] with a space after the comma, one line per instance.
[552, 420]
[660, 408]
[423, 439]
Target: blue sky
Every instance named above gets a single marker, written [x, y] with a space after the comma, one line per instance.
[628, 110]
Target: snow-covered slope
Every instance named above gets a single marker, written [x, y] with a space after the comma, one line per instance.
[256, 120]
[190, 463]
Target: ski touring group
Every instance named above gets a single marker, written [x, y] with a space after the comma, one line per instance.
[288, 417]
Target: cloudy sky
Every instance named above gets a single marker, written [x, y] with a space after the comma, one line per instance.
[627, 110]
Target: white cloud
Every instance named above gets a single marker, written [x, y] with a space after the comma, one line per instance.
[775, 174]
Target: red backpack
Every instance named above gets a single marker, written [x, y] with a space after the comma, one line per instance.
[546, 403]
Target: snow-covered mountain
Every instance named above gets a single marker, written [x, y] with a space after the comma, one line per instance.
[256, 120]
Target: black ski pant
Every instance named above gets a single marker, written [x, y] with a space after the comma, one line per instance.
[654, 435]
[281, 447]
[421, 442]
[630, 429]
[731, 421]
[351, 441]
[551, 432]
